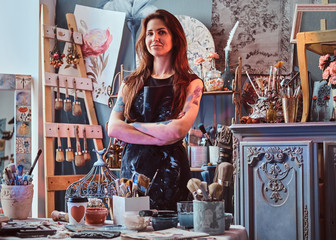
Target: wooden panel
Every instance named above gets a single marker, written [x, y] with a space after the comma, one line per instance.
[61, 182]
[62, 34]
[92, 131]
[81, 83]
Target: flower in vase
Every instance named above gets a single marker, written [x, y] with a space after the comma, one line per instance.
[328, 65]
[212, 56]
[199, 61]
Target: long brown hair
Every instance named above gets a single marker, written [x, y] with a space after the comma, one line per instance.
[179, 61]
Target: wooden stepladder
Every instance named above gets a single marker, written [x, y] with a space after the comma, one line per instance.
[51, 80]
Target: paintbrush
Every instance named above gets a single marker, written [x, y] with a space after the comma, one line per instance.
[86, 153]
[69, 151]
[151, 183]
[67, 101]
[79, 157]
[202, 128]
[59, 150]
[58, 100]
[225, 172]
[215, 191]
[35, 161]
[76, 105]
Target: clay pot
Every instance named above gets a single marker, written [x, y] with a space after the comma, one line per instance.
[17, 200]
[95, 215]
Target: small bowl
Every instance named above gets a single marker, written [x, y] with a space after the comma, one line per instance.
[228, 220]
[165, 221]
[133, 221]
[96, 215]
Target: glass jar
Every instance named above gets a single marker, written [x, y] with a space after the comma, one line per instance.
[271, 113]
[213, 80]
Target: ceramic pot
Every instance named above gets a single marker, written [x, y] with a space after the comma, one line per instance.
[17, 200]
[95, 215]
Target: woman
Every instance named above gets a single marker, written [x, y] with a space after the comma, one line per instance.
[160, 102]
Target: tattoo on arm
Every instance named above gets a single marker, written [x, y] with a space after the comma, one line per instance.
[196, 95]
[140, 126]
[119, 106]
[193, 98]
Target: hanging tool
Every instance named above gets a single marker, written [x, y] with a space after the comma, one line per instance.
[79, 157]
[76, 106]
[69, 155]
[86, 153]
[58, 100]
[59, 150]
[67, 101]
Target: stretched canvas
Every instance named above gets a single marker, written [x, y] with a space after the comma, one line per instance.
[102, 33]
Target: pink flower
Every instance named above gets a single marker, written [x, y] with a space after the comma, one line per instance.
[199, 60]
[324, 61]
[213, 55]
[96, 42]
[326, 73]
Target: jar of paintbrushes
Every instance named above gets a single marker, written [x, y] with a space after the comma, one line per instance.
[17, 190]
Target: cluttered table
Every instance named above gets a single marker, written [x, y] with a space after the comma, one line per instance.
[62, 230]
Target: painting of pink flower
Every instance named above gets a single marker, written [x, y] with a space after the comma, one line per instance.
[102, 32]
[96, 42]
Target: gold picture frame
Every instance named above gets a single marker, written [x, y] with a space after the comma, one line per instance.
[301, 8]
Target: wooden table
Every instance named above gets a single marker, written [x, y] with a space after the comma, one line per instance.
[236, 232]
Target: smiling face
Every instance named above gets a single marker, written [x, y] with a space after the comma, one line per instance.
[158, 38]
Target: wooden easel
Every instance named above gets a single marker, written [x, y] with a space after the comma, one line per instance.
[61, 182]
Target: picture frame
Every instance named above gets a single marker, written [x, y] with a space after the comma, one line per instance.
[301, 8]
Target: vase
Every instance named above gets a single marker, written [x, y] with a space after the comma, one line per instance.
[213, 80]
[227, 75]
[314, 113]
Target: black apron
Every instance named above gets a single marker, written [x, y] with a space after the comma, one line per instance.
[153, 104]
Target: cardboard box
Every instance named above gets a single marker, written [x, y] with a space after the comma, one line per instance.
[122, 205]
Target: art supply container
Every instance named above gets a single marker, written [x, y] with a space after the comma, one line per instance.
[77, 209]
[185, 214]
[213, 154]
[198, 155]
[289, 107]
[17, 200]
[209, 217]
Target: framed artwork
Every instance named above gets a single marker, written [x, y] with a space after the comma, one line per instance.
[102, 33]
[301, 8]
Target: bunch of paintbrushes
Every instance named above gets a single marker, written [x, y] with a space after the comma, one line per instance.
[139, 185]
[14, 175]
[79, 156]
[202, 192]
[214, 192]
